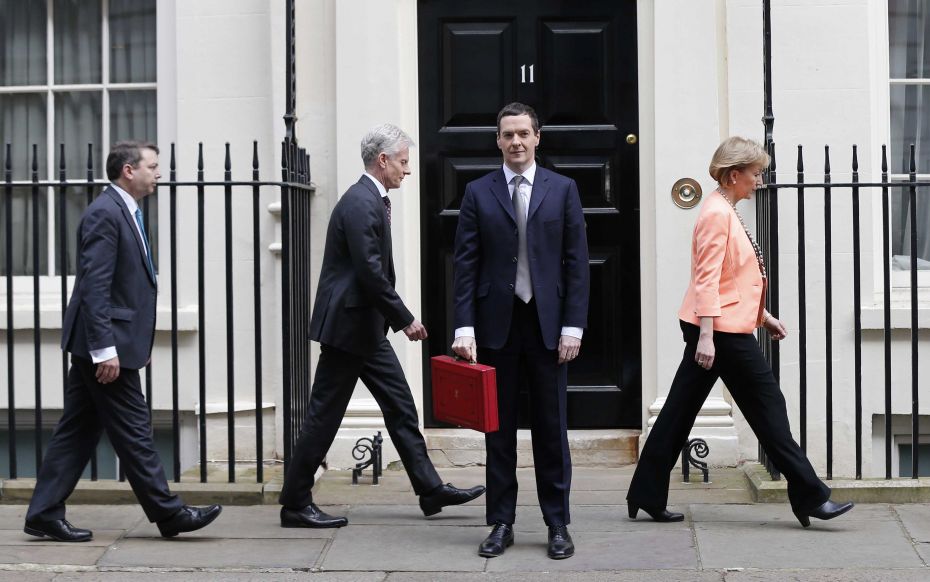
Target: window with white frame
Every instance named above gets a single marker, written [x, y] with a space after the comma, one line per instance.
[909, 92]
[72, 72]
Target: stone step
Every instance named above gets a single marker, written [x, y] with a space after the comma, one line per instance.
[589, 448]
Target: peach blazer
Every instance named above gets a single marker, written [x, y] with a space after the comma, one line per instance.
[726, 283]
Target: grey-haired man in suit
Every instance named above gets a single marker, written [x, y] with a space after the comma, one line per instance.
[356, 304]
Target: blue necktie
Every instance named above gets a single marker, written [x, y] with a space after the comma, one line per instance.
[145, 240]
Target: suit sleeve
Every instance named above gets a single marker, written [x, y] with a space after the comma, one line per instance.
[710, 240]
[575, 257]
[99, 245]
[363, 236]
[465, 263]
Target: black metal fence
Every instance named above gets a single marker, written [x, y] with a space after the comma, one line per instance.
[768, 221]
[295, 190]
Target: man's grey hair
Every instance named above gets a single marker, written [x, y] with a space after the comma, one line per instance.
[386, 138]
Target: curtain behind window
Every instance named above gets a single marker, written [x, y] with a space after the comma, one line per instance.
[23, 123]
[909, 58]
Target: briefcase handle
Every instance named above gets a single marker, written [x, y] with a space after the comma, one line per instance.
[459, 358]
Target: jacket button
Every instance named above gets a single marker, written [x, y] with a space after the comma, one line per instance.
[510, 286]
[515, 259]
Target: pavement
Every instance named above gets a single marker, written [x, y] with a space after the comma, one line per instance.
[725, 538]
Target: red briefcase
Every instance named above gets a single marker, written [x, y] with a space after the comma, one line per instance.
[464, 394]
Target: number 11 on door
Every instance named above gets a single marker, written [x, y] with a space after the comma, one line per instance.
[523, 73]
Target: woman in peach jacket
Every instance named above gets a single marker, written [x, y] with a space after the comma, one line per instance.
[723, 306]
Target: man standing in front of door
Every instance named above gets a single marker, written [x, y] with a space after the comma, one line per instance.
[108, 328]
[521, 295]
[355, 305]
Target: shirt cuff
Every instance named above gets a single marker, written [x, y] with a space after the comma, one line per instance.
[464, 332]
[575, 332]
[103, 354]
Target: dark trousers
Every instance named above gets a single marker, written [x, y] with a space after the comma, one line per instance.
[525, 361]
[336, 375]
[89, 409]
[740, 363]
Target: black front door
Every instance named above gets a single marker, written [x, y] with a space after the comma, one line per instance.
[575, 63]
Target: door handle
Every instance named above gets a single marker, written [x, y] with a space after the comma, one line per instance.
[631, 138]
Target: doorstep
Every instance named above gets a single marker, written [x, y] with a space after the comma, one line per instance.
[765, 490]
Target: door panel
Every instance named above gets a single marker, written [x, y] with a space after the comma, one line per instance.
[575, 63]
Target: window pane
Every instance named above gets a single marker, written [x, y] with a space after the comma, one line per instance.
[133, 116]
[908, 30]
[77, 41]
[910, 124]
[78, 119]
[132, 41]
[22, 46]
[23, 123]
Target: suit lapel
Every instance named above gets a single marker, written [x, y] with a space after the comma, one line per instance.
[133, 228]
[502, 193]
[388, 259]
[540, 189]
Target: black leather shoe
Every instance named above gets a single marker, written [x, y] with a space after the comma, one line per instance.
[500, 538]
[59, 530]
[310, 516]
[661, 515]
[445, 495]
[561, 545]
[828, 510]
[188, 519]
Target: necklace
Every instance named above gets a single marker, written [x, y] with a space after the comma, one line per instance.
[752, 240]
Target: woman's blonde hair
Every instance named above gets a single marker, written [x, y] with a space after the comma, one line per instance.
[736, 153]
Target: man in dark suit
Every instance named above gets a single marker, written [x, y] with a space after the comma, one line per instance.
[521, 295]
[108, 328]
[355, 305]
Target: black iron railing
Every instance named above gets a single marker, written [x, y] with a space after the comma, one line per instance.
[295, 190]
[799, 192]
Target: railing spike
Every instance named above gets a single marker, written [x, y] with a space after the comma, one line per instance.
[855, 158]
[884, 160]
[800, 158]
[826, 159]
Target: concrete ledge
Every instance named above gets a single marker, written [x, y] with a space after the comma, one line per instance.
[764, 490]
[111, 492]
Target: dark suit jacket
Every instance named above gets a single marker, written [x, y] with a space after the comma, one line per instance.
[486, 257]
[355, 298]
[113, 302]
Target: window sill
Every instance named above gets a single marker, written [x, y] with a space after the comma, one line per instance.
[874, 317]
[50, 317]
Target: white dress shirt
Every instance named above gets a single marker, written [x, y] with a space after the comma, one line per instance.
[381, 189]
[526, 190]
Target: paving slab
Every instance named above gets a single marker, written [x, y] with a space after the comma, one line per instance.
[781, 512]
[219, 576]
[827, 544]
[406, 548]
[214, 553]
[102, 538]
[603, 518]
[916, 520]
[457, 515]
[91, 516]
[60, 554]
[239, 522]
[923, 550]
[654, 549]
[21, 576]
[632, 576]
[846, 575]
